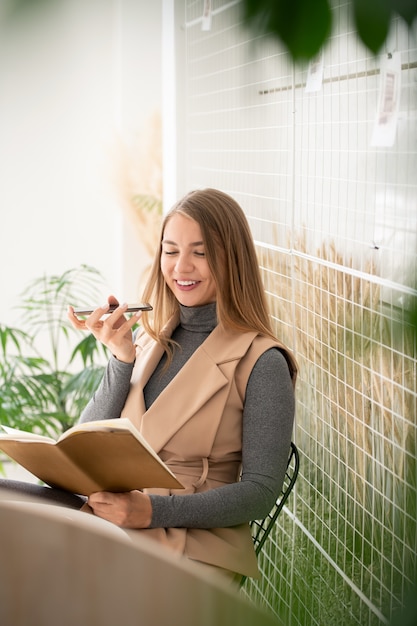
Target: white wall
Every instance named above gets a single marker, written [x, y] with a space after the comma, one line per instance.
[174, 100]
[76, 78]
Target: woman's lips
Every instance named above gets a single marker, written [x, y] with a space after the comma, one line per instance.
[186, 285]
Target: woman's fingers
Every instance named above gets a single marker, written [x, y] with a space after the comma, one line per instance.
[75, 321]
[113, 330]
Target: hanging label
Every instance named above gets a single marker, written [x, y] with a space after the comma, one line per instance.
[315, 74]
[206, 21]
[386, 119]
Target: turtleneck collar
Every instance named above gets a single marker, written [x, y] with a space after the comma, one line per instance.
[198, 318]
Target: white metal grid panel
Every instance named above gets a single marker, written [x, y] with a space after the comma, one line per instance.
[335, 224]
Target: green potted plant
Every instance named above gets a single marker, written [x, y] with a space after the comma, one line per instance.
[48, 370]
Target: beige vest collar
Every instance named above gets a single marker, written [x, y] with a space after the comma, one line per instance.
[214, 362]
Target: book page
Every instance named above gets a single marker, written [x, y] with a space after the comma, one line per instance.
[14, 434]
[118, 424]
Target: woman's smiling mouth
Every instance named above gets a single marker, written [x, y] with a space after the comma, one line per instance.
[187, 284]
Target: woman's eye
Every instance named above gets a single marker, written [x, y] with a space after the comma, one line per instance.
[197, 253]
[169, 252]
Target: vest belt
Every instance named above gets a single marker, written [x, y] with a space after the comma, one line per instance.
[203, 469]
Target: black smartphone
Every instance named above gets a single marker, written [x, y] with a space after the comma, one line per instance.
[131, 308]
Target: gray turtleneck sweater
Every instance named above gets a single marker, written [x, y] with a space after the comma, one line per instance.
[268, 416]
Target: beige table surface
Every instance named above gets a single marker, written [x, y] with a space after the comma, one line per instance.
[63, 567]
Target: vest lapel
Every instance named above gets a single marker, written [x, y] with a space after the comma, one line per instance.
[148, 355]
[180, 400]
[213, 363]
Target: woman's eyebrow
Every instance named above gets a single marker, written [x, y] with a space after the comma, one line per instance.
[174, 243]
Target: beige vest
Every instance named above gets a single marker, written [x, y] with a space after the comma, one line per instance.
[195, 425]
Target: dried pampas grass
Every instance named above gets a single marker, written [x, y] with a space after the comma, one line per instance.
[139, 182]
[358, 374]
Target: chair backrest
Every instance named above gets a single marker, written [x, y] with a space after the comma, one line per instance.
[262, 528]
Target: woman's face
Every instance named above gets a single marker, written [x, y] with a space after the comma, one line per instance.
[184, 264]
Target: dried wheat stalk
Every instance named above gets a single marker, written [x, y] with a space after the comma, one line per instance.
[362, 387]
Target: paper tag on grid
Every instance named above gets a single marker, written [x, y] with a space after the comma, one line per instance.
[206, 21]
[386, 119]
[314, 80]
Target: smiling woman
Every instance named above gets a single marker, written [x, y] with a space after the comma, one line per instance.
[206, 383]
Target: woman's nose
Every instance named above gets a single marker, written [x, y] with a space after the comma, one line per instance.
[183, 263]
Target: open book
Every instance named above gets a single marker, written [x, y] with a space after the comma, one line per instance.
[104, 455]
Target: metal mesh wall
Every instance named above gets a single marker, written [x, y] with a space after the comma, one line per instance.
[334, 220]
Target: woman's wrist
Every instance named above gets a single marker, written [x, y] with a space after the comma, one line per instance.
[126, 358]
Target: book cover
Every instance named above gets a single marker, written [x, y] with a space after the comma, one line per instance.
[104, 455]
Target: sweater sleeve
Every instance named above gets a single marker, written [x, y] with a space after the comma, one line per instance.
[110, 397]
[268, 417]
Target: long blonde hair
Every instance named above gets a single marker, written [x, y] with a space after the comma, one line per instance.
[231, 257]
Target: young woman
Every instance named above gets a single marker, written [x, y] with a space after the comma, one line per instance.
[206, 382]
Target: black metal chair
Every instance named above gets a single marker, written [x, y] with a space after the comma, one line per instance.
[262, 528]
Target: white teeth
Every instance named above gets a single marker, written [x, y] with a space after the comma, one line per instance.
[186, 283]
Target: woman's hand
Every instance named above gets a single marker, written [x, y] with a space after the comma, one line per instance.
[132, 509]
[115, 331]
